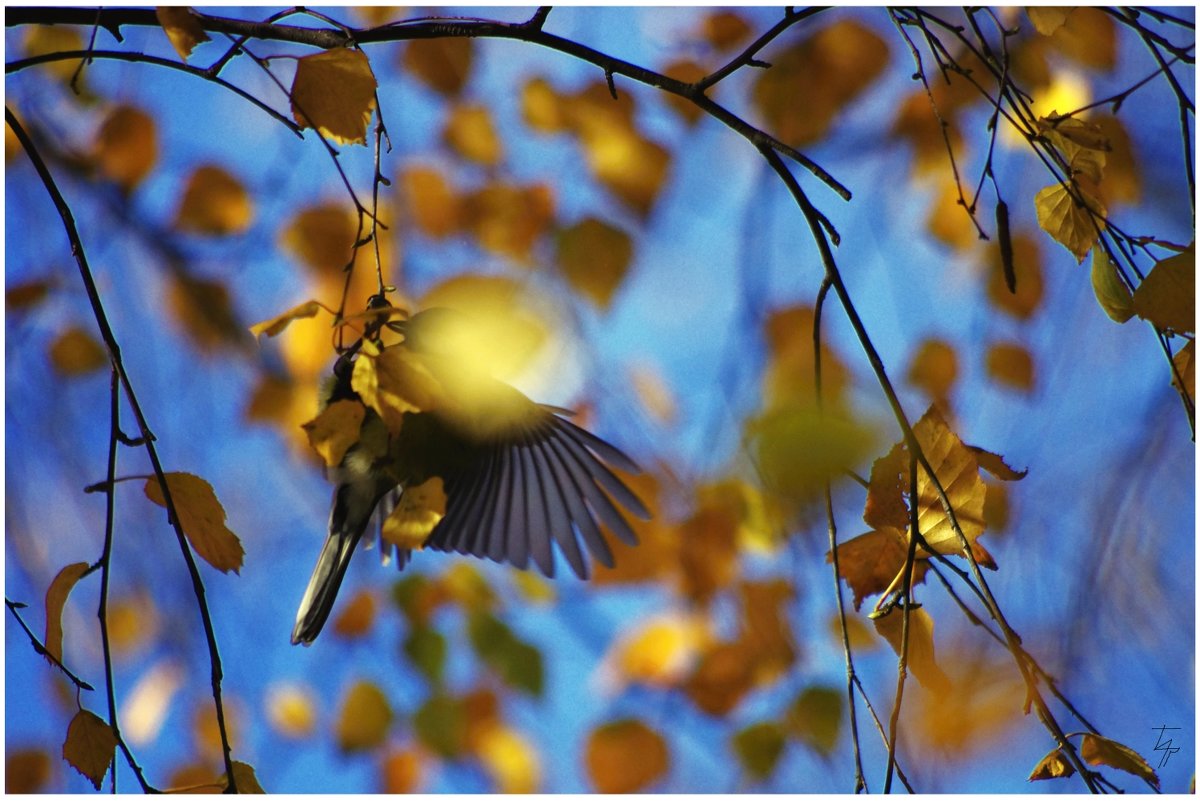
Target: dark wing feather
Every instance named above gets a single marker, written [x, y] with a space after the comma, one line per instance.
[515, 496]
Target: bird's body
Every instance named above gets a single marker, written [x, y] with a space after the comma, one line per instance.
[518, 478]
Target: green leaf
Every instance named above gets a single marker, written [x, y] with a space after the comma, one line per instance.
[816, 718]
[441, 725]
[517, 663]
[758, 748]
[1114, 297]
[425, 647]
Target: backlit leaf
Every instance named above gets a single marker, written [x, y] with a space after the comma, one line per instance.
[76, 353]
[365, 717]
[419, 510]
[920, 645]
[202, 519]
[182, 28]
[1112, 294]
[815, 717]
[625, 756]
[89, 746]
[214, 202]
[509, 759]
[948, 220]
[1097, 750]
[334, 430]
[245, 780]
[1185, 365]
[127, 146]
[334, 92]
[1053, 765]
[1167, 298]
[870, 562]
[401, 772]
[660, 650]
[1072, 225]
[392, 382]
[758, 748]
[1011, 364]
[56, 599]
[958, 472]
[594, 256]
[542, 108]
[1047, 19]
[443, 64]
[431, 201]
[321, 237]
[145, 707]
[275, 325]
[508, 219]
[470, 133]
[801, 446]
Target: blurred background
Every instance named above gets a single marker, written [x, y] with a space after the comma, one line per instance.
[661, 281]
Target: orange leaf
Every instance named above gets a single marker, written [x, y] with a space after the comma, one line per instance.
[442, 64]
[725, 29]
[920, 645]
[202, 519]
[357, 616]
[594, 256]
[625, 756]
[470, 133]
[182, 28]
[934, 368]
[334, 92]
[870, 562]
[322, 237]
[56, 599]
[401, 772]
[958, 472]
[431, 201]
[215, 203]
[1010, 364]
[89, 746]
[275, 325]
[721, 679]
[74, 352]
[126, 146]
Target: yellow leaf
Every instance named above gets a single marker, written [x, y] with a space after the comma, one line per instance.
[470, 133]
[631, 166]
[870, 562]
[291, 710]
[56, 599]
[934, 368]
[510, 760]
[1185, 365]
[182, 28]
[594, 256]
[275, 325]
[958, 471]
[625, 756]
[43, 39]
[401, 772]
[765, 636]
[206, 730]
[1047, 19]
[214, 202]
[660, 650]
[948, 219]
[126, 146]
[146, 706]
[245, 780]
[202, 519]
[975, 710]
[1075, 227]
[1053, 765]
[1167, 298]
[26, 770]
[1027, 267]
[443, 64]
[1122, 173]
[431, 201]
[335, 429]
[420, 509]
[1011, 364]
[393, 382]
[365, 718]
[334, 92]
[789, 378]
[1088, 36]
[542, 108]
[357, 616]
[687, 71]
[829, 69]
[508, 219]
[89, 746]
[1097, 750]
[920, 645]
[1083, 133]
[1112, 294]
[75, 353]
[322, 237]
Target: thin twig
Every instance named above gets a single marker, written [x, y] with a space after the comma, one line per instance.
[42, 650]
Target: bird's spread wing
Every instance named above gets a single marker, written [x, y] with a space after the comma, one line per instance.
[511, 496]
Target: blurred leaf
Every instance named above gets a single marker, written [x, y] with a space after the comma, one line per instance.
[202, 519]
[659, 650]
[418, 598]
[56, 599]
[860, 636]
[766, 636]
[207, 731]
[1027, 266]
[1048, 19]
[949, 221]
[1167, 297]
[26, 770]
[27, 294]
[815, 717]
[1112, 294]
[916, 123]
[365, 717]
[517, 663]
[1053, 765]
[652, 392]
[758, 748]
[971, 714]
[594, 256]
[533, 588]
[442, 64]
[1011, 364]
[322, 237]
[275, 325]
[205, 311]
[725, 29]
[147, 704]
[829, 69]
[542, 108]
[920, 646]
[788, 378]
[658, 551]
[1088, 37]
[800, 447]
[74, 352]
[426, 649]
[334, 92]
[721, 679]
[334, 430]
[481, 708]
[291, 710]
[215, 203]
[126, 146]
[709, 562]
[1122, 173]
[471, 134]
[89, 746]
[1071, 225]
[401, 772]
[509, 759]
[870, 562]
[441, 725]
[628, 164]
[996, 506]
[625, 756]
[431, 201]
[464, 584]
[934, 368]
[1086, 135]
[1097, 750]
[182, 28]
[507, 219]
[357, 616]
[42, 40]
[687, 71]
[195, 779]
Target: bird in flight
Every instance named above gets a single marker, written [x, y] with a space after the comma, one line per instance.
[517, 478]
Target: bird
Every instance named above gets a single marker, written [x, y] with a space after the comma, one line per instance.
[520, 478]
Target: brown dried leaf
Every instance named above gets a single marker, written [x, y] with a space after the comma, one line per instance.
[26, 771]
[202, 519]
[687, 71]
[126, 146]
[182, 28]
[1185, 365]
[870, 562]
[625, 756]
[27, 294]
[721, 679]
[443, 64]
[994, 463]
[74, 352]
[334, 92]
[725, 29]
[89, 746]
[401, 772]
[56, 599]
